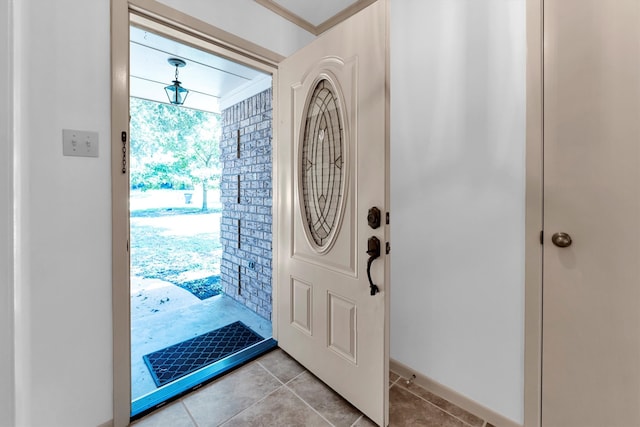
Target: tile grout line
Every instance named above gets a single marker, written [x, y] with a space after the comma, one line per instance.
[253, 404]
[296, 395]
[436, 406]
[441, 409]
[306, 403]
[395, 381]
[186, 408]
[283, 385]
[269, 372]
[250, 406]
[356, 421]
[274, 375]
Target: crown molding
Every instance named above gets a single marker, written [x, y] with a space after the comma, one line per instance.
[308, 26]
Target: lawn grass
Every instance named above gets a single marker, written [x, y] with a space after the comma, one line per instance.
[145, 213]
[159, 253]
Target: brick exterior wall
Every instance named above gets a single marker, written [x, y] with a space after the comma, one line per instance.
[245, 193]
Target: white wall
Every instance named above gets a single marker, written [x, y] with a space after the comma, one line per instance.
[6, 221]
[457, 107]
[63, 319]
[249, 20]
[457, 190]
[63, 312]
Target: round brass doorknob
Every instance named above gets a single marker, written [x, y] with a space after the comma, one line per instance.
[561, 240]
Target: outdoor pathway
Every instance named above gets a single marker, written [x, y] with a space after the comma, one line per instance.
[163, 314]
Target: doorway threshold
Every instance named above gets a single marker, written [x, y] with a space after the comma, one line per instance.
[178, 388]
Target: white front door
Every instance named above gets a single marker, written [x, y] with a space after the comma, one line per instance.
[591, 302]
[331, 169]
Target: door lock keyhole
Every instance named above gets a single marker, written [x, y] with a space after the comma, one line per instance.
[373, 217]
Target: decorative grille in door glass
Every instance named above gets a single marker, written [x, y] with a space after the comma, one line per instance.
[323, 164]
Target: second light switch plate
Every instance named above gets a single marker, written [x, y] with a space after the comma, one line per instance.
[79, 143]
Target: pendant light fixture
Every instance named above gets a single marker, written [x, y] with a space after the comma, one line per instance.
[176, 93]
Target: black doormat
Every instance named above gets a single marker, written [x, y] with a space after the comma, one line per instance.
[180, 359]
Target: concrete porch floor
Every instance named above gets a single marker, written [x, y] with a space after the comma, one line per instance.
[163, 314]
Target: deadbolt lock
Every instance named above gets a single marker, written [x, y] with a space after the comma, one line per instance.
[373, 218]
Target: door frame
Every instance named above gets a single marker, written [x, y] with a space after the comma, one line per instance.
[191, 31]
[245, 50]
[534, 205]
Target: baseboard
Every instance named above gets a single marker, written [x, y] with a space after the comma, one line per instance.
[452, 396]
[107, 424]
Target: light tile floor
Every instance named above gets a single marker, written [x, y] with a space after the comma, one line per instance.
[274, 390]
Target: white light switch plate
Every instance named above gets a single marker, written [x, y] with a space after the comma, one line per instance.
[79, 143]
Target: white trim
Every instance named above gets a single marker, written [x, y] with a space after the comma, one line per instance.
[275, 202]
[121, 297]
[7, 283]
[247, 90]
[452, 396]
[387, 196]
[215, 36]
[533, 216]
[168, 28]
[316, 30]
[289, 16]
[20, 227]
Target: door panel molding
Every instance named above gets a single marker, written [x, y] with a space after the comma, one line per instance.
[342, 340]
[302, 305]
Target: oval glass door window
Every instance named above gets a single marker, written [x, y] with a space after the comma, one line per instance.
[323, 166]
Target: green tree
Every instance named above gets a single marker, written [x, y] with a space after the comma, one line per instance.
[173, 147]
[203, 154]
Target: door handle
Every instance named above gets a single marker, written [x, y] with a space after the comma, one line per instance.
[561, 240]
[373, 250]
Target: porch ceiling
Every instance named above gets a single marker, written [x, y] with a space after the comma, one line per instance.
[208, 77]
